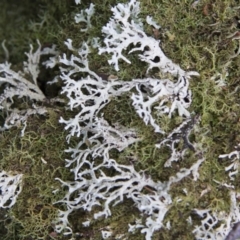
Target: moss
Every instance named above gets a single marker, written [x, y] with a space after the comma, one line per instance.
[36, 157]
[198, 39]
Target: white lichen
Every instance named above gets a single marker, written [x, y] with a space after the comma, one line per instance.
[85, 17]
[23, 85]
[99, 180]
[234, 157]
[217, 225]
[10, 188]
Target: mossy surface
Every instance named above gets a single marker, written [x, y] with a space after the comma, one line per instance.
[200, 38]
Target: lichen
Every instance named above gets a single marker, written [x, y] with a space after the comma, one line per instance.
[202, 38]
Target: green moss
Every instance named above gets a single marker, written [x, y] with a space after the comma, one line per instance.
[35, 156]
[196, 39]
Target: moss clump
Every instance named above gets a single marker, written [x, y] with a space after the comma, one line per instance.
[38, 156]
